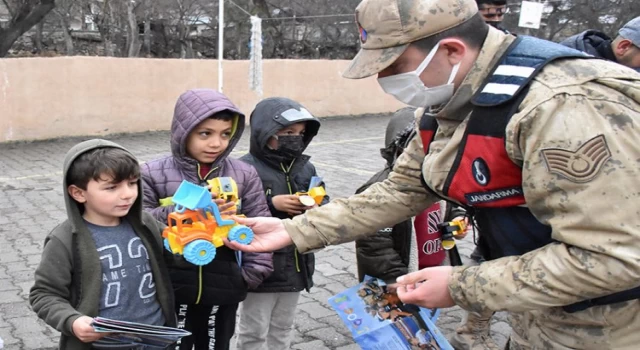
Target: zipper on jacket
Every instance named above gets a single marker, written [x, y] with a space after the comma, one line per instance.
[288, 179]
[207, 175]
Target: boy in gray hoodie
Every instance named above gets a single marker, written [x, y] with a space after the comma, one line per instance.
[107, 258]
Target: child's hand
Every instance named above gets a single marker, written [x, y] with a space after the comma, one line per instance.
[468, 227]
[226, 208]
[83, 330]
[288, 203]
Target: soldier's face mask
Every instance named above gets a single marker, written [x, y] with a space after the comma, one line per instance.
[409, 88]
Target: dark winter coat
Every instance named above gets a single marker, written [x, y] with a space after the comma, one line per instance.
[68, 281]
[223, 281]
[292, 271]
[390, 253]
[592, 42]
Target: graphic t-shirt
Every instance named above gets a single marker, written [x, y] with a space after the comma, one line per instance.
[128, 289]
[428, 237]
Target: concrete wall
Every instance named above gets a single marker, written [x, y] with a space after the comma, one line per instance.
[44, 98]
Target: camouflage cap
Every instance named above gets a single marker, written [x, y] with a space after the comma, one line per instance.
[388, 26]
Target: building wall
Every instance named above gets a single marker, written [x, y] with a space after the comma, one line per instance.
[43, 98]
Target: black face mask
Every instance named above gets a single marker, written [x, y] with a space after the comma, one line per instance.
[495, 24]
[290, 145]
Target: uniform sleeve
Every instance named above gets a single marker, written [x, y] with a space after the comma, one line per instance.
[51, 292]
[581, 166]
[384, 204]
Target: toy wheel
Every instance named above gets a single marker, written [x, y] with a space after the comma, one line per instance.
[166, 245]
[199, 252]
[241, 234]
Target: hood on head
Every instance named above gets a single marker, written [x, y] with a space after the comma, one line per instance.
[73, 208]
[193, 107]
[276, 113]
[402, 120]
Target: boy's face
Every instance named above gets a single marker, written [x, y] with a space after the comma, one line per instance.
[296, 129]
[105, 202]
[209, 140]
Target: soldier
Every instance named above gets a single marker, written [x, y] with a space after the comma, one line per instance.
[538, 140]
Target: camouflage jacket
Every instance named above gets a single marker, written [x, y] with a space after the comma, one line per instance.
[594, 220]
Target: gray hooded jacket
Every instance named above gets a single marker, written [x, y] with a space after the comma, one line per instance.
[68, 280]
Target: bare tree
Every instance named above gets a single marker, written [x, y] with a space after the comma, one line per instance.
[65, 11]
[133, 36]
[24, 15]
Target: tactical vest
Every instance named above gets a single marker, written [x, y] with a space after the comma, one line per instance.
[484, 179]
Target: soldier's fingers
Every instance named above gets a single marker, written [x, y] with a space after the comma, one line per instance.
[251, 222]
[414, 277]
[248, 248]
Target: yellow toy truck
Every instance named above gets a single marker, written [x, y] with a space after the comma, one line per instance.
[196, 227]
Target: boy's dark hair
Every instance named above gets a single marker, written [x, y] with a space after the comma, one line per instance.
[473, 32]
[225, 115]
[114, 162]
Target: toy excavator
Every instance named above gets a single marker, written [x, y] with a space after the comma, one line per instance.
[196, 227]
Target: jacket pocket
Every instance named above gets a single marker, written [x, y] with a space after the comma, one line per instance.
[281, 263]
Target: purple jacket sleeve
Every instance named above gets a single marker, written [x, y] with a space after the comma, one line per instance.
[151, 200]
[256, 267]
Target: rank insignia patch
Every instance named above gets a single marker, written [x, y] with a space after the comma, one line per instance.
[579, 166]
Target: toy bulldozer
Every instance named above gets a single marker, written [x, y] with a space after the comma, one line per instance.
[314, 195]
[196, 227]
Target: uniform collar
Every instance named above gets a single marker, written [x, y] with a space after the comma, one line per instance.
[492, 50]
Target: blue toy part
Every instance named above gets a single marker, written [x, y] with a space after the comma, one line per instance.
[215, 212]
[166, 245]
[199, 252]
[226, 184]
[315, 182]
[191, 196]
[241, 234]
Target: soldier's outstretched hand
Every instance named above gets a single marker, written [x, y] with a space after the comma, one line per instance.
[427, 287]
[269, 235]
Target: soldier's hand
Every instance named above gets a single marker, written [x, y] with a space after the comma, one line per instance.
[84, 331]
[427, 288]
[288, 203]
[270, 235]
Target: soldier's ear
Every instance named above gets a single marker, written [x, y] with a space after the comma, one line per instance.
[456, 49]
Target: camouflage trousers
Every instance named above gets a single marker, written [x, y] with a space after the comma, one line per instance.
[615, 326]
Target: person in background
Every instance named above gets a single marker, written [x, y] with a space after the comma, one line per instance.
[624, 49]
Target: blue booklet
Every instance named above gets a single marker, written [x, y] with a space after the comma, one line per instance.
[378, 319]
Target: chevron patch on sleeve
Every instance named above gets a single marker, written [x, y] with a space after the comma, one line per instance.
[579, 166]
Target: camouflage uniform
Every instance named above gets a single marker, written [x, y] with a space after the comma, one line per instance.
[594, 214]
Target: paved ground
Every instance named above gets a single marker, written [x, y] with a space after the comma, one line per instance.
[346, 153]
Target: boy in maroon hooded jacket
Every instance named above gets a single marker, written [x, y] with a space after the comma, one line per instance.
[205, 128]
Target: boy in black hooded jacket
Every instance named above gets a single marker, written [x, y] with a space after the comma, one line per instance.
[281, 129]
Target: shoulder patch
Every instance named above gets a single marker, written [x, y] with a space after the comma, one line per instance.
[579, 166]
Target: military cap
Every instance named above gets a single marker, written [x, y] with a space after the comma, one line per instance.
[387, 27]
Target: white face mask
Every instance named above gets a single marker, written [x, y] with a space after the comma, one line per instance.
[409, 88]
